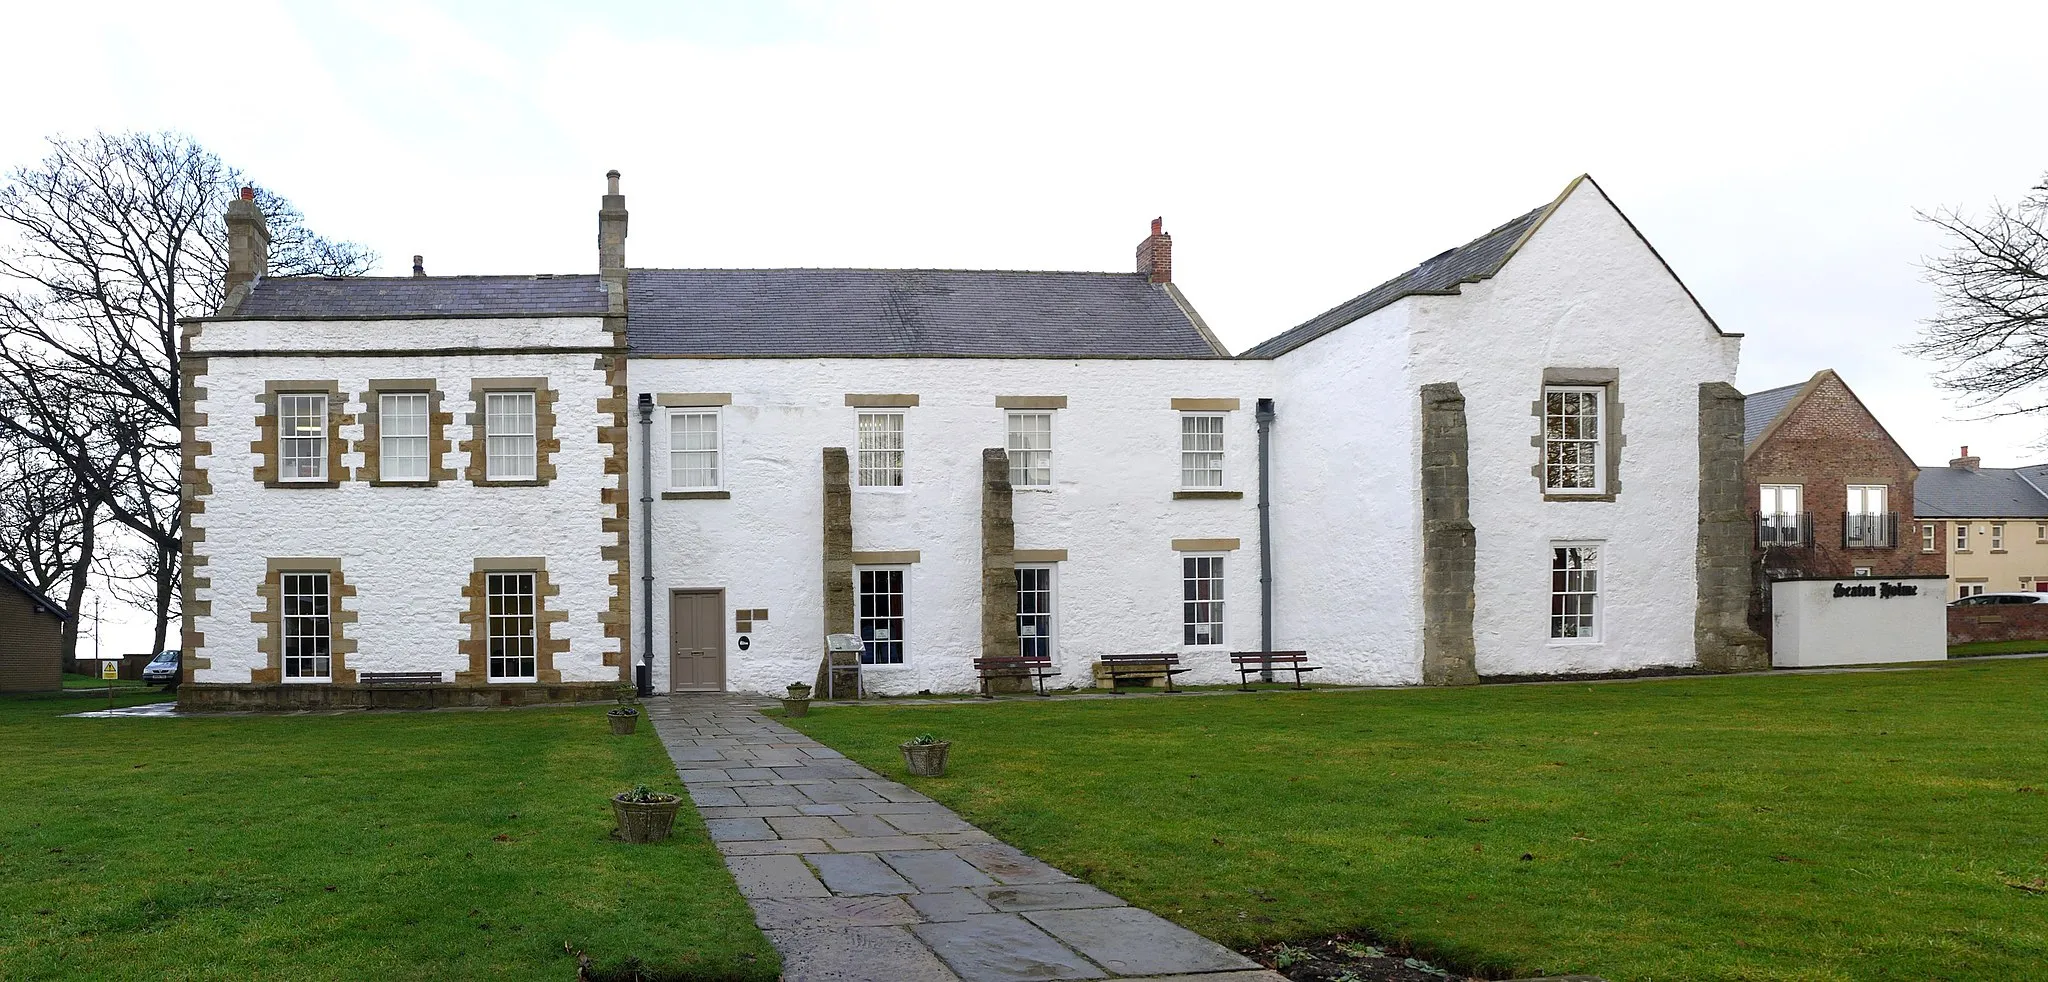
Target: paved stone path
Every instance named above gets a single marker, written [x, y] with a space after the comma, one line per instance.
[856, 877]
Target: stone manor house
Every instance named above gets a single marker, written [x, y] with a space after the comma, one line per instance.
[1522, 457]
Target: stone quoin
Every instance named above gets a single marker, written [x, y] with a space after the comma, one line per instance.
[1522, 456]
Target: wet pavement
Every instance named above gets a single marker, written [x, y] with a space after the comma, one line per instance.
[857, 877]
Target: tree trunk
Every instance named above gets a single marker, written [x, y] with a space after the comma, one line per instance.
[74, 601]
[166, 577]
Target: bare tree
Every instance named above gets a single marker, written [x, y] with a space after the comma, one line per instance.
[1991, 336]
[117, 237]
[47, 528]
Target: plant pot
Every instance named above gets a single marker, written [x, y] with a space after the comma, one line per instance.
[926, 759]
[796, 707]
[624, 720]
[799, 691]
[646, 821]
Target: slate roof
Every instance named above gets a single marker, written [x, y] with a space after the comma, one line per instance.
[1990, 492]
[422, 296]
[1761, 409]
[1474, 261]
[35, 596]
[905, 313]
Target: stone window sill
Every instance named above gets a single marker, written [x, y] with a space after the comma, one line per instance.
[695, 495]
[1962, 552]
[302, 484]
[487, 483]
[1207, 495]
[1998, 552]
[404, 484]
[1578, 497]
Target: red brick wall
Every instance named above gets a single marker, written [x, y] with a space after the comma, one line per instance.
[1829, 442]
[1998, 622]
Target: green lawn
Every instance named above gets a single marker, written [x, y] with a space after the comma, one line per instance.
[1852, 826]
[443, 845]
[75, 681]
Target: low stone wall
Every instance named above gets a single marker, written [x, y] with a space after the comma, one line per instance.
[217, 696]
[2000, 622]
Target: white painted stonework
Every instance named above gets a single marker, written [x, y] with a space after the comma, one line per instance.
[408, 551]
[1583, 291]
[1858, 621]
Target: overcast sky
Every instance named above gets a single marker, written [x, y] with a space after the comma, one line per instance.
[1774, 153]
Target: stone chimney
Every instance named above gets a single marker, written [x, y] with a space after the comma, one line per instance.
[248, 243]
[1155, 255]
[1966, 462]
[419, 265]
[611, 227]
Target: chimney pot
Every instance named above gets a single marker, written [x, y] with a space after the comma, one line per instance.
[419, 265]
[248, 193]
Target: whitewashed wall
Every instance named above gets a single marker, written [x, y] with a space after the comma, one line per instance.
[407, 551]
[1832, 622]
[1347, 519]
[1583, 292]
[1116, 464]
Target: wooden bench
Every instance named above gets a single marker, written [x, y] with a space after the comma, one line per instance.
[398, 678]
[1247, 662]
[1120, 667]
[1037, 667]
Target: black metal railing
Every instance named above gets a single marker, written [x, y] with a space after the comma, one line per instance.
[1784, 529]
[1877, 530]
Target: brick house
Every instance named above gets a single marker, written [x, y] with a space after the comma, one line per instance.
[1831, 491]
[31, 638]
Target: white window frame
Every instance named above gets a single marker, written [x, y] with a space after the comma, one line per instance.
[387, 441]
[1930, 541]
[522, 448]
[902, 618]
[1596, 633]
[875, 461]
[505, 626]
[2041, 531]
[1218, 604]
[1024, 458]
[716, 451]
[291, 409]
[1857, 503]
[296, 627]
[1199, 457]
[1997, 536]
[1051, 616]
[1962, 536]
[1863, 571]
[1771, 500]
[1969, 590]
[1598, 442]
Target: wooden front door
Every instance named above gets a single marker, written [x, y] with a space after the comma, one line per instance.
[696, 641]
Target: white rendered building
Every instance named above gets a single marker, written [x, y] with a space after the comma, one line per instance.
[1522, 457]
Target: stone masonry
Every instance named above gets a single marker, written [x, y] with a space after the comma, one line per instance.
[1722, 638]
[998, 564]
[838, 550]
[1449, 544]
[857, 877]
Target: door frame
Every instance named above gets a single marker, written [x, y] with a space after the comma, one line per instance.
[718, 622]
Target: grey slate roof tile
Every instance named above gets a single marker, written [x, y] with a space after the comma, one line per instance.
[1990, 492]
[905, 312]
[1760, 409]
[415, 296]
[1475, 260]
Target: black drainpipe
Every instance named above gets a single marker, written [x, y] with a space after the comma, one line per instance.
[1265, 417]
[645, 678]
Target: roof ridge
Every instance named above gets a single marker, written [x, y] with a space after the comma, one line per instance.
[870, 269]
[324, 278]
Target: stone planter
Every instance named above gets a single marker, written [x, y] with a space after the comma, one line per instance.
[796, 707]
[623, 720]
[646, 821]
[799, 691]
[926, 759]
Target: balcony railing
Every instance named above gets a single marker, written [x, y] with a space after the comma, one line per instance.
[1784, 529]
[1870, 530]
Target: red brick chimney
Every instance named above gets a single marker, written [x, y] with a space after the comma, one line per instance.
[1155, 254]
[1966, 462]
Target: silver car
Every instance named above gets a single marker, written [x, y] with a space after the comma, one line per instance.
[162, 670]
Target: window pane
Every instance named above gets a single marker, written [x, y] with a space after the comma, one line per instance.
[402, 436]
[302, 437]
[509, 443]
[1572, 450]
[1202, 603]
[1574, 592]
[1030, 450]
[1034, 611]
[1201, 451]
[881, 620]
[693, 450]
[881, 450]
[305, 626]
[511, 626]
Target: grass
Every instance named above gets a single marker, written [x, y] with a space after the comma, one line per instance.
[1974, 648]
[435, 845]
[73, 680]
[1884, 825]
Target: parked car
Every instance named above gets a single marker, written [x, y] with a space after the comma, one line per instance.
[1998, 599]
[162, 670]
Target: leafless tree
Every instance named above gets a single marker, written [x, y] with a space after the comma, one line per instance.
[1991, 336]
[47, 528]
[115, 239]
